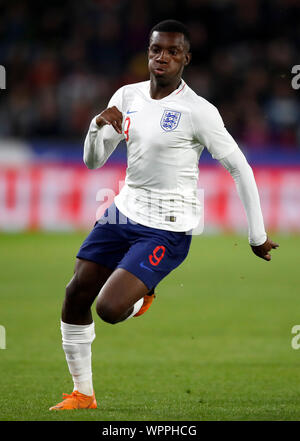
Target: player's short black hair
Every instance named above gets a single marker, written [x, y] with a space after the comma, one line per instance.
[172, 26]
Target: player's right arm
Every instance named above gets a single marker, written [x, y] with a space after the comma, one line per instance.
[104, 134]
[110, 116]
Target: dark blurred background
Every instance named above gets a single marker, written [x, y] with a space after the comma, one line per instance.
[64, 60]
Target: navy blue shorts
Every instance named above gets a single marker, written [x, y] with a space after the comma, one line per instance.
[148, 253]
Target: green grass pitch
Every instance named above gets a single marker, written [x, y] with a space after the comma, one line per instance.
[215, 345]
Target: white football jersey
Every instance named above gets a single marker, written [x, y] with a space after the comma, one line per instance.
[165, 139]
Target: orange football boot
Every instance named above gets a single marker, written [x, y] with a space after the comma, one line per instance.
[76, 400]
[148, 299]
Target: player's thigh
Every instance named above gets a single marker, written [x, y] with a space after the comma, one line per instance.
[97, 258]
[151, 258]
[120, 292]
[145, 264]
[106, 244]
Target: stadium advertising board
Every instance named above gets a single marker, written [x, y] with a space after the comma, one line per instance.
[60, 197]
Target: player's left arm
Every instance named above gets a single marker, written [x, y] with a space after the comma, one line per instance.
[210, 131]
[242, 173]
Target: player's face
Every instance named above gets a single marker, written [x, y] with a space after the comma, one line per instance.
[167, 55]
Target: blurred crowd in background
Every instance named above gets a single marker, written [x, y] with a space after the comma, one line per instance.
[64, 60]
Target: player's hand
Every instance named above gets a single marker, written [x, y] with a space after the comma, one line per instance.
[111, 116]
[264, 249]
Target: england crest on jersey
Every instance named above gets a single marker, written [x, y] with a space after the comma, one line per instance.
[170, 120]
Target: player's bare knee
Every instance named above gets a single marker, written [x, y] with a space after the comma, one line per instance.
[76, 286]
[72, 289]
[77, 295]
[107, 312]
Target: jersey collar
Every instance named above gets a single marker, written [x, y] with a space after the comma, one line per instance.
[180, 89]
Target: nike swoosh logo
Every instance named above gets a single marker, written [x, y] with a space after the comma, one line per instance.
[133, 111]
[144, 266]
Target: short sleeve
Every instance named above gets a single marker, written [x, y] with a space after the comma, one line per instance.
[211, 132]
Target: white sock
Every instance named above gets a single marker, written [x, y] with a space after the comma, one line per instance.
[136, 307]
[76, 342]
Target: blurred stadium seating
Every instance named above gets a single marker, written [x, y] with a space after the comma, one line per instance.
[64, 60]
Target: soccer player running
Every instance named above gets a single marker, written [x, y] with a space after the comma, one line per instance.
[145, 233]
